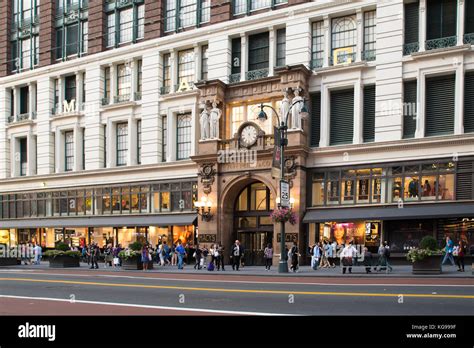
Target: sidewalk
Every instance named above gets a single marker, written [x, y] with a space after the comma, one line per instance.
[403, 271]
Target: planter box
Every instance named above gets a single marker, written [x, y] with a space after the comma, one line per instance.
[8, 261]
[64, 262]
[135, 263]
[429, 265]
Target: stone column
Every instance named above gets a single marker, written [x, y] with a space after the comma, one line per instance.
[4, 142]
[133, 79]
[79, 83]
[461, 21]
[174, 70]
[132, 140]
[459, 99]
[272, 51]
[77, 147]
[244, 56]
[60, 95]
[59, 151]
[31, 153]
[197, 62]
[113, 83]
[31, 99]
[15, 103]
[422, 25]
[360, 35]
[358, 112]
[420, 100]
[325, 121]
[327, 41]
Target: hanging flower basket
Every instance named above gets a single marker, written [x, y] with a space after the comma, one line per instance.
[284, 215]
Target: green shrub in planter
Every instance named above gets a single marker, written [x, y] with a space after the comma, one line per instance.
[135, 246]
[129, 254]
[62, 246]
[428, 243]
[56, 253]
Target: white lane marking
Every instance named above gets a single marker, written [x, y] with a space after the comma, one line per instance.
[236, 281]
[202, 310]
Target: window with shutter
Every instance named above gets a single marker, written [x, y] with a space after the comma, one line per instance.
[315, 119]
[409, 108]
[369, 114]
[439, 105]
[411, 22]
[464, 186]
[342, 117]
[441, 17]
[469, 22]
[469, 102]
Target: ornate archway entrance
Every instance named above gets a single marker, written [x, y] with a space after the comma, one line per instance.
[253, 226]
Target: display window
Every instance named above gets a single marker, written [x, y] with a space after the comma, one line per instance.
[359, 232]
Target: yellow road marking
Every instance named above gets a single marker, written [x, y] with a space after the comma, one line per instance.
[248, 291]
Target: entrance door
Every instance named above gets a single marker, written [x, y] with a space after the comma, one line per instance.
[252, 224]
[254, 244]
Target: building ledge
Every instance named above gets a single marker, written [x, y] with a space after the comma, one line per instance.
[130, 103]
[441, 51]
[20, 123]
[341, 67]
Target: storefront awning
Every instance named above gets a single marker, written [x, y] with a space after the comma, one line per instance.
[103, 221]
[419, 211]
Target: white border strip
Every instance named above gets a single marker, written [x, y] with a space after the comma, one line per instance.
[179, 309]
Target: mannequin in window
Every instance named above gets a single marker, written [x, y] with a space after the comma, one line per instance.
[426, 189]
[397, 189]
[413, 188]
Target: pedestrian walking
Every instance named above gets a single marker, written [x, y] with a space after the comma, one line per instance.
[109, 257]
[94, 253]
[460, 257]
[116, 258]
[181, 253]
[174, 255]
[381, 259]
[220, 259]
[145, 257]
[268, 256]
[367, 260]
[236, 252]
[315, 256]
[197, 255]
[294, 254]
[38, 251]
[448, 249]
[346, 258]
[84, 254]
[333, 253]
[205, 254]
[324, 263]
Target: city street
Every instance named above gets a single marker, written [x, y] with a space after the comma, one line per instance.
[43, 291]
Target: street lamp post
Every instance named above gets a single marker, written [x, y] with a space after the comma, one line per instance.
[282, 130]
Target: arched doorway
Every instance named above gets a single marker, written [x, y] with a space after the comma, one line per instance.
[253, 226]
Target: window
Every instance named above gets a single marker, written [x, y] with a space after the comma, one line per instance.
[184, 137]
[469, 20]
[370, 22]
[409, 108]
[441, 21]
[139, 141]
[24, 100]
[237, 118]
[258, 51]
[317, 49]
[71, 38]
[23, 156]
[411, 27]
[166, 73]
[245, 7]
[369, 114]
[469, 102]
[190, 13]
[186, 71]
[440, 104]
[68, 151]
[139, 79]
[125, 24]
[281, 47]
[122, 144]
[204, 60]
[25, 45]
[344, 39]
[236, 55]
[123, 82]
[315, 119]
[70, 88]
[164, 137]
[341, 117]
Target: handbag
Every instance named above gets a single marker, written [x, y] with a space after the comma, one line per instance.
[116, 261]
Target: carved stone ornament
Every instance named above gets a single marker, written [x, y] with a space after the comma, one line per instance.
[290, 169]
[208, 173]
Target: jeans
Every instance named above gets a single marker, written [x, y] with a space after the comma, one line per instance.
[268, 263]
[450, 257]
[180, 261]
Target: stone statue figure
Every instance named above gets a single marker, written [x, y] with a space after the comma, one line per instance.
[214, 121]
[296, 110]
[284, 106]
[204, 120]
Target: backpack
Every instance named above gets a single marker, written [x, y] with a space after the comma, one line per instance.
[210, 267]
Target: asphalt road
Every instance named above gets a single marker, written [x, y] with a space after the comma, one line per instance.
[81, 292]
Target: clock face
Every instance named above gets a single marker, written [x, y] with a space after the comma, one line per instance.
[248, 135]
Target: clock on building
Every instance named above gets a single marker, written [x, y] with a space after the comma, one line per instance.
[248, 135]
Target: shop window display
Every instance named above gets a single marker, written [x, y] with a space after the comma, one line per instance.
[406, 235]
[348, 187]
[359, 233]
[318, 189]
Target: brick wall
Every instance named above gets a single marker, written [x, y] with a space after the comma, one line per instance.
[5, 25]
[221, 11]
[47, 35]
[97, 23]
[154, 19]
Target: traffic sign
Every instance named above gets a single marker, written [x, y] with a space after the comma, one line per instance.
[284, 194]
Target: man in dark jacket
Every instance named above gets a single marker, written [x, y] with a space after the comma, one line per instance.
[94, 252]
[236, 252]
